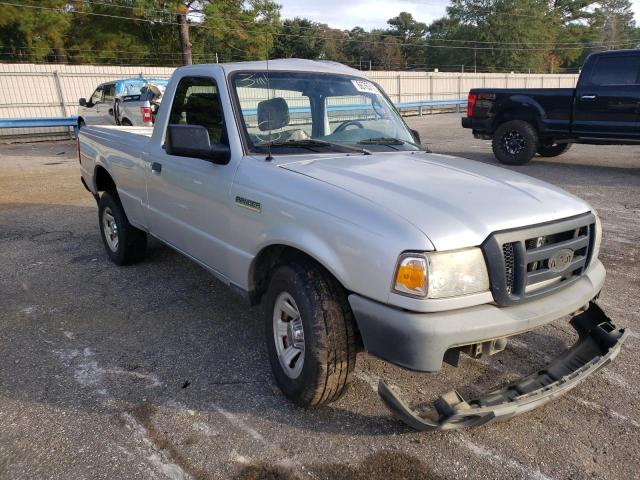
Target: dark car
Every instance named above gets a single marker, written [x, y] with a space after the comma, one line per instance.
[603, 109]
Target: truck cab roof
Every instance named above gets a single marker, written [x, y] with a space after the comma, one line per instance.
[295, 64]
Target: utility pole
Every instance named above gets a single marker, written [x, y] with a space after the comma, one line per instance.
[475, 63]
[184, 35]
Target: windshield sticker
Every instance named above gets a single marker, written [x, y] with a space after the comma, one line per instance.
[365, 87]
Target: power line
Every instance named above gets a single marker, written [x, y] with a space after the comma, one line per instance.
[315, 28]
[372, 42]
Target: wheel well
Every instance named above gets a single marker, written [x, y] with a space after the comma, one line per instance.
[103, 180]
[273, 255]
[526, 114]
[265, 262]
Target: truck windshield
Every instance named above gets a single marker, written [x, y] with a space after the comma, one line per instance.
[299, 112]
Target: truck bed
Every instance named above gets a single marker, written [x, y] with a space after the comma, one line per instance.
[121, 132]
[549, 108]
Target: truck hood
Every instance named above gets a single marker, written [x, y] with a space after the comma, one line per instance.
[455, 202]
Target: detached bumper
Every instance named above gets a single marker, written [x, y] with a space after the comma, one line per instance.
[598, 344]
[418, 341]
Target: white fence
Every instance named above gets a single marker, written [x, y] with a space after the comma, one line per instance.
[33, 90]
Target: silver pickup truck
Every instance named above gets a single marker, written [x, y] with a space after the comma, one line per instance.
[298, 184]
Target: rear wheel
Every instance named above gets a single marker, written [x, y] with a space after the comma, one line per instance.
[310, 334]
[126, 122]
[124, 243]
[515, 142]
[553, 150]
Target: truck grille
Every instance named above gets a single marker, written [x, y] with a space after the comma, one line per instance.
[527, 263]
[509, 265]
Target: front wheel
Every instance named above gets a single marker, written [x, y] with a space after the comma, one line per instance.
[310, 334]
[515, 142]
[553, 150]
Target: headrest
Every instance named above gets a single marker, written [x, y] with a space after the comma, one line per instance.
[273, 114]
[202, 108]
[202, 100]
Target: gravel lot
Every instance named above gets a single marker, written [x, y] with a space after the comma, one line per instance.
[158, 371]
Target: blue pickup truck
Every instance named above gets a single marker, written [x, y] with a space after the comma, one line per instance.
[603, 109]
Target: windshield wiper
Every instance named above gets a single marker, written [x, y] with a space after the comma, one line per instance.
[313, 142]
[388, 141]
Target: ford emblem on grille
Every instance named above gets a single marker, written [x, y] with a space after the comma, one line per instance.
[561, 260]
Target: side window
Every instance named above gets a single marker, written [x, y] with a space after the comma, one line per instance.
[97, 95]
[109, 92]
[615, 70]
[197, 102]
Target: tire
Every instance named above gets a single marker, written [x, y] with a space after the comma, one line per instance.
[553, 150]
[124, 244]
[328, 356]
[126, 122]
[515, 142]
[81, 123]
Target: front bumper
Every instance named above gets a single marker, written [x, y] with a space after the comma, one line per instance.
[598, 344]
[418, 341]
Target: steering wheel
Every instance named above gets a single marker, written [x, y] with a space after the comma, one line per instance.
[343, 126]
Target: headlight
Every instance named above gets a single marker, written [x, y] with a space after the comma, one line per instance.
[442, 274]
[597, 240]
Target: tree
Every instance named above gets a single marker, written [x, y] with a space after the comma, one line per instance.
[614, 23]
[388, 53]
[299, 38]
[411, 34]
[33, 34]
[240, 30]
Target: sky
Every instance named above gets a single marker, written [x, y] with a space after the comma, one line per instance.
[368, 14]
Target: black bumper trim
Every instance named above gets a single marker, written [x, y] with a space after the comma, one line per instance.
[598, 344]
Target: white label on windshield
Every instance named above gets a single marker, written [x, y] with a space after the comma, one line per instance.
[365, 87]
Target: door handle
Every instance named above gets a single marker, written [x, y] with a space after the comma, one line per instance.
[156, 168]
[587, 98]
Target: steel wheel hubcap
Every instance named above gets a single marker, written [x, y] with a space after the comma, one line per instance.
[513, 142]
[288, 334]
[110, 228]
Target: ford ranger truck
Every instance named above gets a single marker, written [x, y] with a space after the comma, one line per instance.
[601, 110]
[298, 185]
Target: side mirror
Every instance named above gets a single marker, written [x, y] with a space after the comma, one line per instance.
[416, 136]
[111, 112]
[193, 141]
[83, 102]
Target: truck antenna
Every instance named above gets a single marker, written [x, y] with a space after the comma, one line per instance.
[269, 156]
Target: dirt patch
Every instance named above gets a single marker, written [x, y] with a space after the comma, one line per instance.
[383, 465]
[143, 413]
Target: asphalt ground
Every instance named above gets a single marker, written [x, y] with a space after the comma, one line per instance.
[158, 371]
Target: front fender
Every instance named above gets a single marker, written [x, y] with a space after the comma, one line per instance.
[310, 243]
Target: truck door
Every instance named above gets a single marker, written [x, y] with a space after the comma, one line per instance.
[106, 113]
[188, 198]
[91, 111]
[607, 100]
